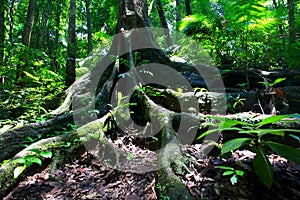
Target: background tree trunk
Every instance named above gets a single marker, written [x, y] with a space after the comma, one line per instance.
[71, 50]
[56, 38]
[2, 32]
[11, 21]
[89, 25]
[163, 21]
[46, 24]
[37, 24]
[291, 6]
[26, 37]
[188, 7]
[177, 13]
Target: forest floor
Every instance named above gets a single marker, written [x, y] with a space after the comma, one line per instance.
[87, 178]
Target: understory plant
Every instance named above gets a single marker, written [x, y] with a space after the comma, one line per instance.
[28, 160]
[233, 173]
[252, 135]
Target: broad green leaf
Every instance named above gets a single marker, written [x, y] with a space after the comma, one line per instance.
[46, 154]
[234, 144]
[270, 131]
[35, 150]
[28, 157]
[20, 161]
[52, 73]
[239, 172]
[35, 160]
[18, 171]
[225, 168]
[228, 123]
[261, 132]
[206, 133]
[272, 119]
[234, 179]
[35, 79]
[263, 168]
[227, 173]
[31, 76]
[286, 151]
[277, 81]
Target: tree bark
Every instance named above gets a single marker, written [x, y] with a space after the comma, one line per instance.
[11, 21]
[2, 32]
[163, 21]
[60, 153]
[46, 24]
[178, 17]
[37, 24]
[56, 37]
[291, 7]
[71, 49]
[29, 23]
[89, 26]
[188, 7]
[11, 141]
[26, 37]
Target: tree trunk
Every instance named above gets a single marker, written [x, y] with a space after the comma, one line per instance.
[11, 21]
[188, 7]
[163, 21]
[28, 24]
[281, 31]
[71, 49]
[56, 38]
[291, 7]
[178, 17]
[26, 37]
[37, 25]
[2, 32]
[46, 24]
[17, 137]
[89, 26]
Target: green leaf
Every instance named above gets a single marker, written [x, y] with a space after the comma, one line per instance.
[227, 173]
[18, 171]
[270, 131]
[286, 151]
[239, 172]
[20, 161]
[234, 144]
[206, 133]
[277, 81]
[234, 179]
[35, 151]
[46, 154]
[272, 119]
[35, 160]
[28, 157]
[228, 123]
[263, 168]
[52, 73]
[31, 76]
[225, 168]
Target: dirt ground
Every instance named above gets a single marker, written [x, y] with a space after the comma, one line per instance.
[87, 178]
